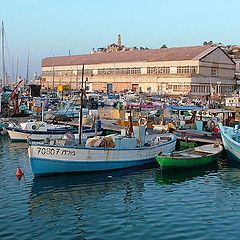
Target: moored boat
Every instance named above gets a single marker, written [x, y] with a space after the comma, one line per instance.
[231, 141]
[99, 154]
[70, 110]
[191, 157]
[39, 131]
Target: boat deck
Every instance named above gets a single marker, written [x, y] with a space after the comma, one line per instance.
[108, 125]
[198, 139]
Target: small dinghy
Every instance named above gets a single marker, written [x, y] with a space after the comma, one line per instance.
[192, 157]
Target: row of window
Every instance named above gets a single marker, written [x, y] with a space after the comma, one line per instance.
[121, 71]
[104, 71]
[197, 88]
[59, 73]
[187, 69]
[213, 90]
[178, 88]
[171, 88]
[158, 70]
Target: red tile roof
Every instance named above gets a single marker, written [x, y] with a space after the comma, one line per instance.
[152, 55]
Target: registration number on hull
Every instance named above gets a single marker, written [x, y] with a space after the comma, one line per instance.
[54, 151]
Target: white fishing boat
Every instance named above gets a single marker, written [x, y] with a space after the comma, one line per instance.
[99, 154]
[39, 131]
[231, 141]
[132, 148]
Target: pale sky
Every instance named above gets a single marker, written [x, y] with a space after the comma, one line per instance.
[53, 27]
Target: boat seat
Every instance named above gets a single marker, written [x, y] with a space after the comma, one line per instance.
[189, 155]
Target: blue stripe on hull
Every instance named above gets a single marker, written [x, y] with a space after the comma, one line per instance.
[232, 157]
[231, 149]
[42, 166]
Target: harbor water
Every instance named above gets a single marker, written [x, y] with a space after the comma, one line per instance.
[141, 203]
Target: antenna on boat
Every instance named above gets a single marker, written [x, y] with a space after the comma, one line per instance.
[81, 111]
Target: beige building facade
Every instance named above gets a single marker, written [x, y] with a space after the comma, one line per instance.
[198, 70]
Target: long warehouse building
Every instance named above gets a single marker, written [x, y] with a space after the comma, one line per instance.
[196, 70]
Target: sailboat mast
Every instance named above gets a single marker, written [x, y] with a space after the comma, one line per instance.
[53, 73]
[16, 79]
[81, 111]
[28, 59]
[13, 75]
[3, 59]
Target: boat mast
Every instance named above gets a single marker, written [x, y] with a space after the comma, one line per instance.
[13, 75]
[53, 73]
[3, 59]
[26, 82]
[16, 79]
[81, 107]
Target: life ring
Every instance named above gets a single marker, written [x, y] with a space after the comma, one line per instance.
[142, 122]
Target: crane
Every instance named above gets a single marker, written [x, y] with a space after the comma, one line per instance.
[14, 97]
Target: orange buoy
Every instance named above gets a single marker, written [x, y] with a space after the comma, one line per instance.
[19, 172]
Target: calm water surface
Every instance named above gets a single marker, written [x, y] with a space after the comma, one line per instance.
[138, 204]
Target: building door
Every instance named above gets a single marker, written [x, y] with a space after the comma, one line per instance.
[109, 87]
[135, 87]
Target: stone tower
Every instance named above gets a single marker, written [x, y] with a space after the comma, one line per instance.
[119, 42]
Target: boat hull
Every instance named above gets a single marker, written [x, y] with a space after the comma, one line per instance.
[195, 157]
[58, 160]
[169, 162]
[24, 136]
[231, 146]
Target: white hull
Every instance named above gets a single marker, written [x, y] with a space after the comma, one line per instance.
[231, 142]
[21, 136]
[49, 159]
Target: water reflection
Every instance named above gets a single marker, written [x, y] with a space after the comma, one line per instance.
[83, 199]
[230, 172]
[182, 175]
[12, 154]
[41, 185]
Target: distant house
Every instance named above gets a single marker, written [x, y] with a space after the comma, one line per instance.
[237, 74]
[232, 101]
[113, 48]
[195, 70]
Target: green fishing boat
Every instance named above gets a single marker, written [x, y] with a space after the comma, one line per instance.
[192, 157]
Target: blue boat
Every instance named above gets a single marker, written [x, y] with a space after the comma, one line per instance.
[231, 141]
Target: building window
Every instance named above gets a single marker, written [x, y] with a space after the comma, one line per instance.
[175, 88]
[135, 70]
[187, 69]
[104, 71]
[126, 71]
[214, 72]
[207, 89]
[47, 73]
[193, 69]
[158, 70]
